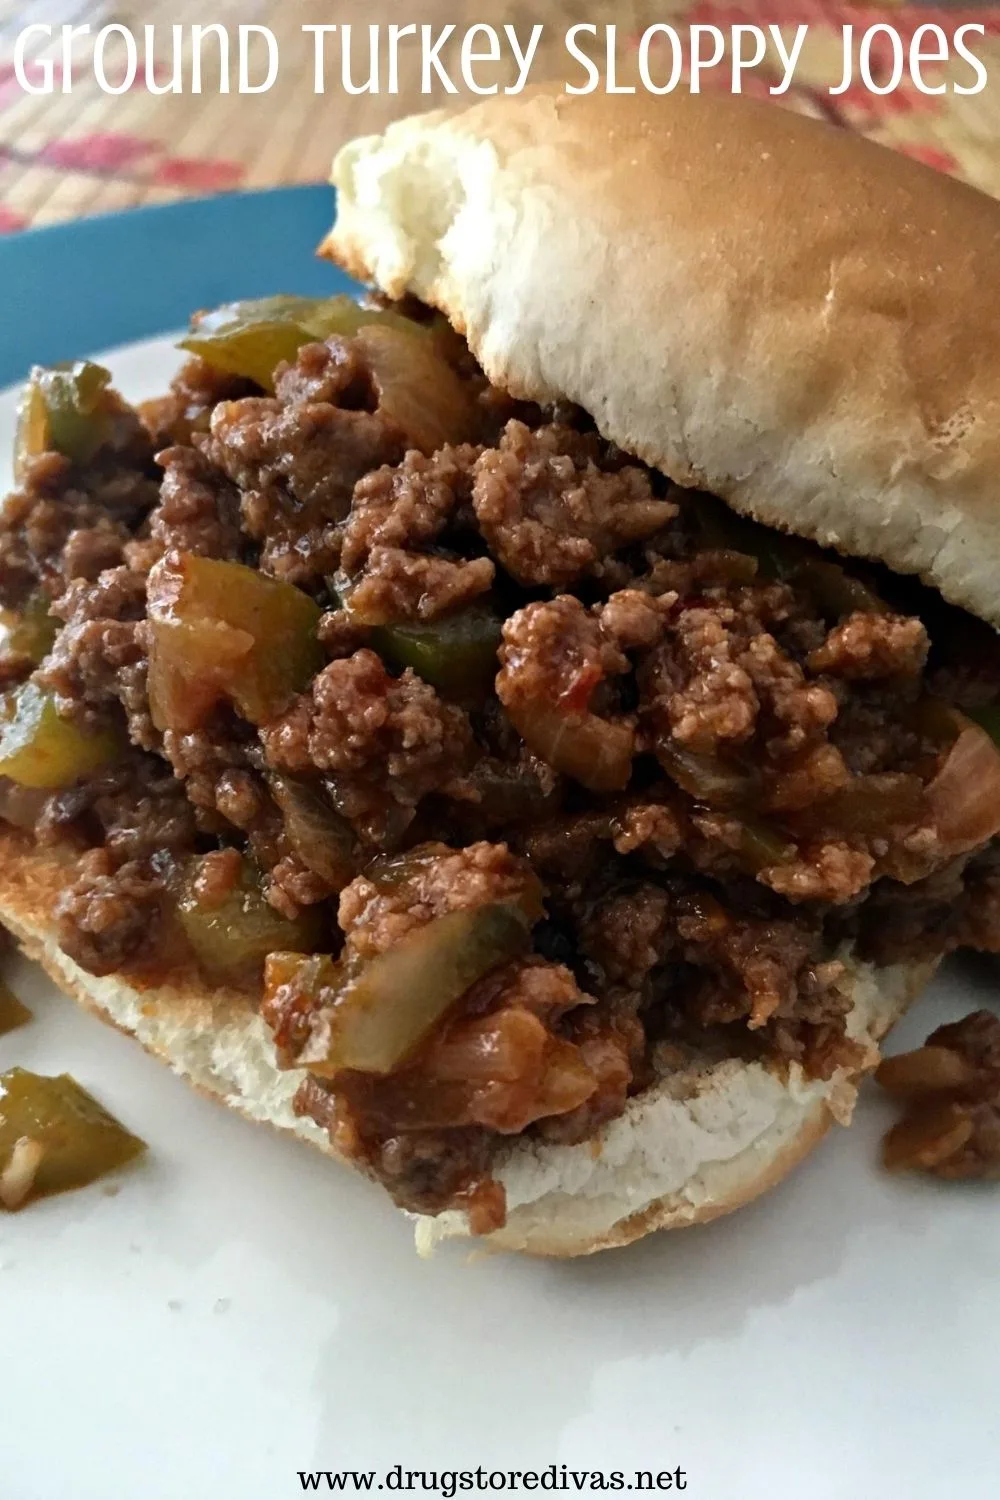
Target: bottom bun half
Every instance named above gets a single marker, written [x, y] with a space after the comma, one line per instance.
[706, 1138]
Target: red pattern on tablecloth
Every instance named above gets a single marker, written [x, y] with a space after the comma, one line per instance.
[53, 166]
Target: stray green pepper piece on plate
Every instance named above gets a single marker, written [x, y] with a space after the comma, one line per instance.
[54, 1136]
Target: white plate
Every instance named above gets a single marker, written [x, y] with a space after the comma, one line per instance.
[240, 1309]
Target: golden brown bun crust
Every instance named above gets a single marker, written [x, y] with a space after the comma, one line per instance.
[718, 1134]
[760, 305]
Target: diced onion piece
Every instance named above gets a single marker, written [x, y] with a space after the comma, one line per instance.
[870, 805]
[705, 777]
[505, 1071]
[190, 667]
[220, 629]
[924, 1072]
[21, 806]
[322, 839]
[18, 1176]
[927, 1138]
[32, 437]
[416, 388]
[964, 798]
[380, 1015]
[762, 844]
[595, 752]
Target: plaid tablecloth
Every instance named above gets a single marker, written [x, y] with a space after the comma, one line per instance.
[83, 152]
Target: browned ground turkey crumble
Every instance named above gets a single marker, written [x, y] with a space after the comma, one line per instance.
[716, 768]
[950, 1091]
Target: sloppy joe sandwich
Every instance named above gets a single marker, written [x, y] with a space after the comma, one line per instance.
[531, 731]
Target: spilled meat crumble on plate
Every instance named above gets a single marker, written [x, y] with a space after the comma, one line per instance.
[509, 765]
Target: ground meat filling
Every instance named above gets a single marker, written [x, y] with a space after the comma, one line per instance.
[550, 513]
[67, 522]
[949, 1090]
[509, 1059]
[396, 514]
[198, 510]
[657, 764]
[384, 742]
[106, 917]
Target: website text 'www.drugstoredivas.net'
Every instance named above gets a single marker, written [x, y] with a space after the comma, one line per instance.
[448, 1483]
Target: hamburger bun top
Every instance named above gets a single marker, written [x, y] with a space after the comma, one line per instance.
[757, 304]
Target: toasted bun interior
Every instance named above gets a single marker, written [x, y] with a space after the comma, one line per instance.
[782, 313]
[701, 1142]
[698, 1144]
